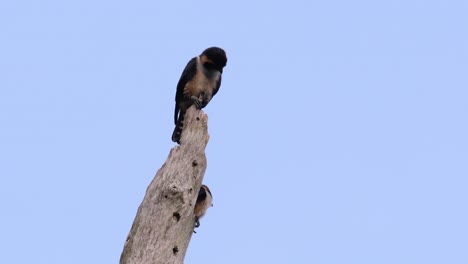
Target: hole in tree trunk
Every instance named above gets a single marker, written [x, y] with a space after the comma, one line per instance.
[176, 216]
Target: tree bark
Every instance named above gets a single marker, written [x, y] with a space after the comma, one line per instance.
[165, 220]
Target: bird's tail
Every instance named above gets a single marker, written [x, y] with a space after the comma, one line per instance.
[178, 128]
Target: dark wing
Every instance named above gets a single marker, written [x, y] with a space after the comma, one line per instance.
[217, 86]
[187, 75]
[201, 195]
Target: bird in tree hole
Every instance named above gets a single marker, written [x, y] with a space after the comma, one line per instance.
[204, 201]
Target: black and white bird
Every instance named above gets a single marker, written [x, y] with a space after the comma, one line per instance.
[197, 85]
[204, 201]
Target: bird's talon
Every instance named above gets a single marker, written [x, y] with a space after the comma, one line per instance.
[197, 102]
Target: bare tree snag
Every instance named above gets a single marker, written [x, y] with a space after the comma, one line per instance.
[165, 220]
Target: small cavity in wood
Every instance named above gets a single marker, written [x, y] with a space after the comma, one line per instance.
[175, 250]
[176, 216]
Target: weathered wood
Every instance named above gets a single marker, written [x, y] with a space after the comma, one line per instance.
[164, 222]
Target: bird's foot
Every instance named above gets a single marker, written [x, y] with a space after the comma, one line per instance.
[197, 224]
[197, 102]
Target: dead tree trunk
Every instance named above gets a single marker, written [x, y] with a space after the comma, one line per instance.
[164, 222]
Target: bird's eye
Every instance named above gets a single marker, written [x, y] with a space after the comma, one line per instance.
[209, 65]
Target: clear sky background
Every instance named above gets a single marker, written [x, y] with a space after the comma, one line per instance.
[339, 134]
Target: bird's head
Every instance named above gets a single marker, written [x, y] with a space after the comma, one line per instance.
[214, 58]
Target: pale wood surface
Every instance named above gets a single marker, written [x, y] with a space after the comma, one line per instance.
[164, 223]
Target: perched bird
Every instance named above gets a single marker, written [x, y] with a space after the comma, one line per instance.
[199, 82]
[204, 201]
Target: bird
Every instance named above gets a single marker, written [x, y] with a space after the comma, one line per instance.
[204, 201]
[197, 85]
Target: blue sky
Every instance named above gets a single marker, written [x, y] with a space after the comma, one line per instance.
[339, 134]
